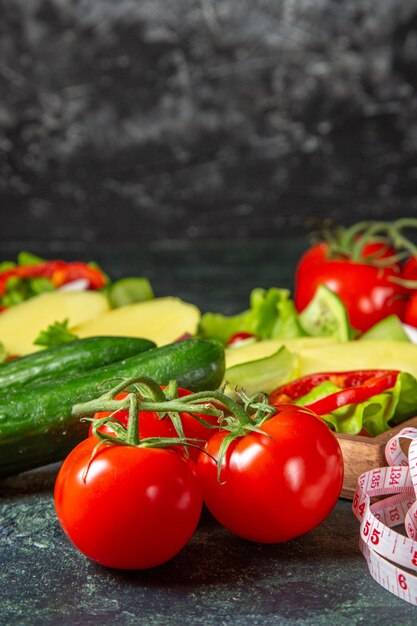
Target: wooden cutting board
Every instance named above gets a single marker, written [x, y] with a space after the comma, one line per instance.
[361, 454]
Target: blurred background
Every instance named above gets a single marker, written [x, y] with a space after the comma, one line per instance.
[138, 122]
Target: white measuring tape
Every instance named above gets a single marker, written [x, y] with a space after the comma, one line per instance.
[391, 556]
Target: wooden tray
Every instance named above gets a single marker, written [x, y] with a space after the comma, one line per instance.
[362, 454]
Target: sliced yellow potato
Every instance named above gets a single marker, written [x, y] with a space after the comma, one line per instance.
[161, 320]
[262, 349]
[357, 355]
[21, 324]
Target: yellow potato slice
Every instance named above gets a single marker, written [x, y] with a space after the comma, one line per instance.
[262, 349]
[21, 324]
[358, 355]
[161, 320]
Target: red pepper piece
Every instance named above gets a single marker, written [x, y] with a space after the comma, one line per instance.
[358, 386]
[354, 395]
[239, 338]
[76, 270]
[59, 272]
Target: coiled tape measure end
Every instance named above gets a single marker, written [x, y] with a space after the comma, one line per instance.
[391, 556]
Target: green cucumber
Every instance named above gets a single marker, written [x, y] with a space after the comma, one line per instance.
[36, 425]
[326, 316]
[389, 329]
[78, 356]
[264, 374]
[130, 290]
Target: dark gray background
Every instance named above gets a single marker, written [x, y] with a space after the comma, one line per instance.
[145, 120]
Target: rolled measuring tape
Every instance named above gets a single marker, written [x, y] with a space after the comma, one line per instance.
[391, 556]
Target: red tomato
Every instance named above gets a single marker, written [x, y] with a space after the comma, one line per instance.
[366, 290]
[239, 339]
[129, 507]
[410, 316]
[410, 269]
[153, 425]
[276, 486]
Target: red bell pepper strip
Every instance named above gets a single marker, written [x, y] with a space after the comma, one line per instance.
[59, 272]
[358, 386]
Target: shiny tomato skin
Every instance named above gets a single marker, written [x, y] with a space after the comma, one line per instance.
[153, 425]
[409, 271]
[367, 291]
[276, 486]
[410, 316]
[130, 508]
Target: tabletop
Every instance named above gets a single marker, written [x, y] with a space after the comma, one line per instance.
[318, 578]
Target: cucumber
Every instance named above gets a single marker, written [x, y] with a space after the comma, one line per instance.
[129, 290]
[78, 356]
[265, 374]
[389, 329]
[36, 426]
[326, 316]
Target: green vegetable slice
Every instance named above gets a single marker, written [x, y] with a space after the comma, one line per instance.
[326, 316]
[263, 375]
[130, 290]
[389, 328]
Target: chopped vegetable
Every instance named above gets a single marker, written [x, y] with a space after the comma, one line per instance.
[162, 320]
[263, 374]
[20, 282]
[326, 316]
[373, 400]
[130, 290]
[239, 339]
[20, 325]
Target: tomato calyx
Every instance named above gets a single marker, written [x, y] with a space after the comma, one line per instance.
[377, 243]
[144, 394]
[245, 416]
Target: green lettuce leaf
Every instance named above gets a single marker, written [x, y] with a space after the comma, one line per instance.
[271, 315]
[405, 398]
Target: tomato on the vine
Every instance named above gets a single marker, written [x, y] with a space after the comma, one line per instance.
[152, 424]
[410, 316]
[409, 271]
[369, 291]
[274, 485]
[125, 506]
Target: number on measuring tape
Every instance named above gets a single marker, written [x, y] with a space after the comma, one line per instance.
[386, 550]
